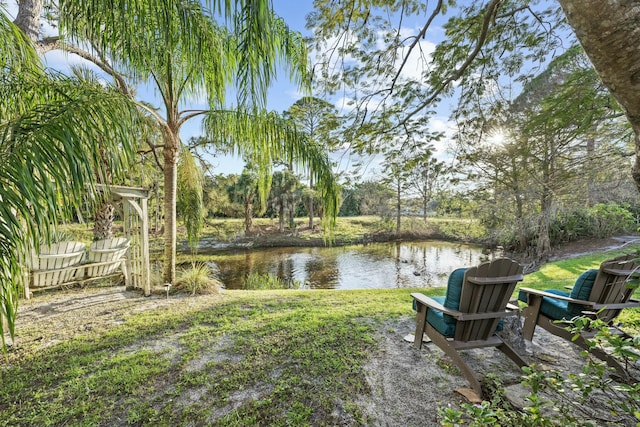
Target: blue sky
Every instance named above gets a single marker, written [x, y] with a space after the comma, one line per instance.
[294, 13]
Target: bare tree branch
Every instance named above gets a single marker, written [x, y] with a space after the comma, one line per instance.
[489, 17]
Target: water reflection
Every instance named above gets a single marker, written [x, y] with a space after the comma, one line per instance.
[380, 265]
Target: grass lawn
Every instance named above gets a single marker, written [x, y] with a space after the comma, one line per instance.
[272, 358]
[301, 352]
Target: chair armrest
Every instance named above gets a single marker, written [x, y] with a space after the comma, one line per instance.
[107, 250]
[431, 303]
[558, 297]
[495, 280]
[622, 273]
[632, 303]
[487, 315]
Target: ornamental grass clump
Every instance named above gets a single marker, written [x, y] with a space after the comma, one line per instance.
[197, 280]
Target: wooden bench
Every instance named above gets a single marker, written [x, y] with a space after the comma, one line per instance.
[56, 263]
[64, 264]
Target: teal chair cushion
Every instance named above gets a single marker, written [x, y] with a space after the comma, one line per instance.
[582, 290]
[454, 289]
[437, 320]
[584, 283]
[444, 323]
[553, 308]
[556, 309]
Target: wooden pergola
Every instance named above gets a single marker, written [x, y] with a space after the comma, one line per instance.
[136, 228]
[65, 263]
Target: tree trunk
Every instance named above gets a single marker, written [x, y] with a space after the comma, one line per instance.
[291, 211]
[398, 207]
[591, 173]
[103, 222]
[248, 218]
[520, 224]
[311, 213]
[609, 33]
[28, 18]
[281, 215]
[310, 207]
[425, 202]
[171, 147]
[543, 247]
[156, 189]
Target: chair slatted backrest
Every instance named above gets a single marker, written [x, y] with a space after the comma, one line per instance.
[107, 250]
[49, 265]
[611, 287]
[481, 294]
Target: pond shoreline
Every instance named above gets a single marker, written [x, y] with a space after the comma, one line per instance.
[268, 236]
[276, 240]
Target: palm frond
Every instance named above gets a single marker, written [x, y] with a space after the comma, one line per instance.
[176, 42]
[185, 47]
[266, 137]
[16, 52]
[50, 149]
[190, 205]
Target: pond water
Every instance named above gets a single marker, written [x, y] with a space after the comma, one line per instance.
[378, 265]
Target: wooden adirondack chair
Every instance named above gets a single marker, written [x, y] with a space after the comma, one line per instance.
[469, 315]
[602, 293]
[55, 264]
[108, 255]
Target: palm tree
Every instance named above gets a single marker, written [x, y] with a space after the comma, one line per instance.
[52, 130]
[185, 51]
[283, 196]
[245, 192]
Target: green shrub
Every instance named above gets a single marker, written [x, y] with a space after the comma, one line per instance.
[611, 218]
[567, 225]
[468, 230]
[559, 399]
[571, 225]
